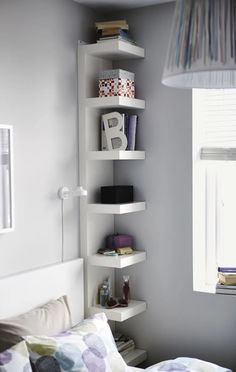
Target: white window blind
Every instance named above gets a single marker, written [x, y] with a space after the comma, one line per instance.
[217, 115]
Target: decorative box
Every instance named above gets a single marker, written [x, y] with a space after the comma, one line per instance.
[116, 83]
[117, 194]
[116, 241]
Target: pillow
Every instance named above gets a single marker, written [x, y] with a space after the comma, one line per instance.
[49, 319]
[88, 347]
[15, 359]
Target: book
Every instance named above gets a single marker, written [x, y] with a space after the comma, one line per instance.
[221, 289]
[132, 132]
[227, 269]
[228, 279]
[116, 37]
[112, 24]
[123, 345]
[224, 287]
[112, 32]
[127, 351]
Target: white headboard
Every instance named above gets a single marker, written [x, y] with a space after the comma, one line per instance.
[25, 291]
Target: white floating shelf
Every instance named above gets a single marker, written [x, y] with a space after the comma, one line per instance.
[135, 357]
[119, 314]
[117, 262]
[117, 208]
[114, 49]
[116, 155]
[109, 102]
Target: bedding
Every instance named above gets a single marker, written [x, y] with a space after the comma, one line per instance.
[49, 319]
[15, 359]
[87, 347]
[187, 365]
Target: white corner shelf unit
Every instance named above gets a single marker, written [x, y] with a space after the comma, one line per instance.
[96, 169]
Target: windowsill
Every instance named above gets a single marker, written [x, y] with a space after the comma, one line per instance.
[207, 288]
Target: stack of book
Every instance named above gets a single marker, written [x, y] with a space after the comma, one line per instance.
[124, 344]
[227, 281]
[113, 30]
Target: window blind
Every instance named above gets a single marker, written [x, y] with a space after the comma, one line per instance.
[216, 115]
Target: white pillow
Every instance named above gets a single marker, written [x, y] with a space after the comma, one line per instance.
[88, 347]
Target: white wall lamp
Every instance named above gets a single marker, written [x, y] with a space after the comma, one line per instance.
[64, 193]
[202, 48]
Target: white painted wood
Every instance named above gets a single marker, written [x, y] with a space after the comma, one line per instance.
[100, 223]
[114, 49]
[117, 208]
[117, 262]
[11, 183]
[93, 228]
[119, 314]
[110, 102]
[135, 357]
[116, 155]
[27, 290]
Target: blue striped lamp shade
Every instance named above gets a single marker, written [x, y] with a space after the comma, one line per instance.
[202, 48]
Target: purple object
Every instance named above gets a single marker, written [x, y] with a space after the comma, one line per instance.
[119, 241]
[227, 269]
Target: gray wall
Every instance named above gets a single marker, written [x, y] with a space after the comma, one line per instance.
[38, 97]
[178, 321]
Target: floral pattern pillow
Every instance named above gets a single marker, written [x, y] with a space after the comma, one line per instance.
[88, 347]
[15, 359]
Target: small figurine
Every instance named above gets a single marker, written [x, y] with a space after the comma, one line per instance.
[126, 288]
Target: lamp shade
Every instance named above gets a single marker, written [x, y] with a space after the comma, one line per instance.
[202, 48]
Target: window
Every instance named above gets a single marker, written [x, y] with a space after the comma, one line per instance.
[214, 185]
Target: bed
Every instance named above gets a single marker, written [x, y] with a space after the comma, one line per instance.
[87, 345]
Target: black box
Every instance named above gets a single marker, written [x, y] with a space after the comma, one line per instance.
[117, 194]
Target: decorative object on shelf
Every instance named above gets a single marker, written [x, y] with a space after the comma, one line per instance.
[118, 131]
[202, 51]
[107, 252]
[118, 194]
[113, 30]
[114, 83]
[115, 241]
[126, 288]
[112, 132]
[124, 250]
[104, 293]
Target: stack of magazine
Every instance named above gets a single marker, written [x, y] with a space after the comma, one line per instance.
[124, 344]
[113, 30]
[227, 281]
